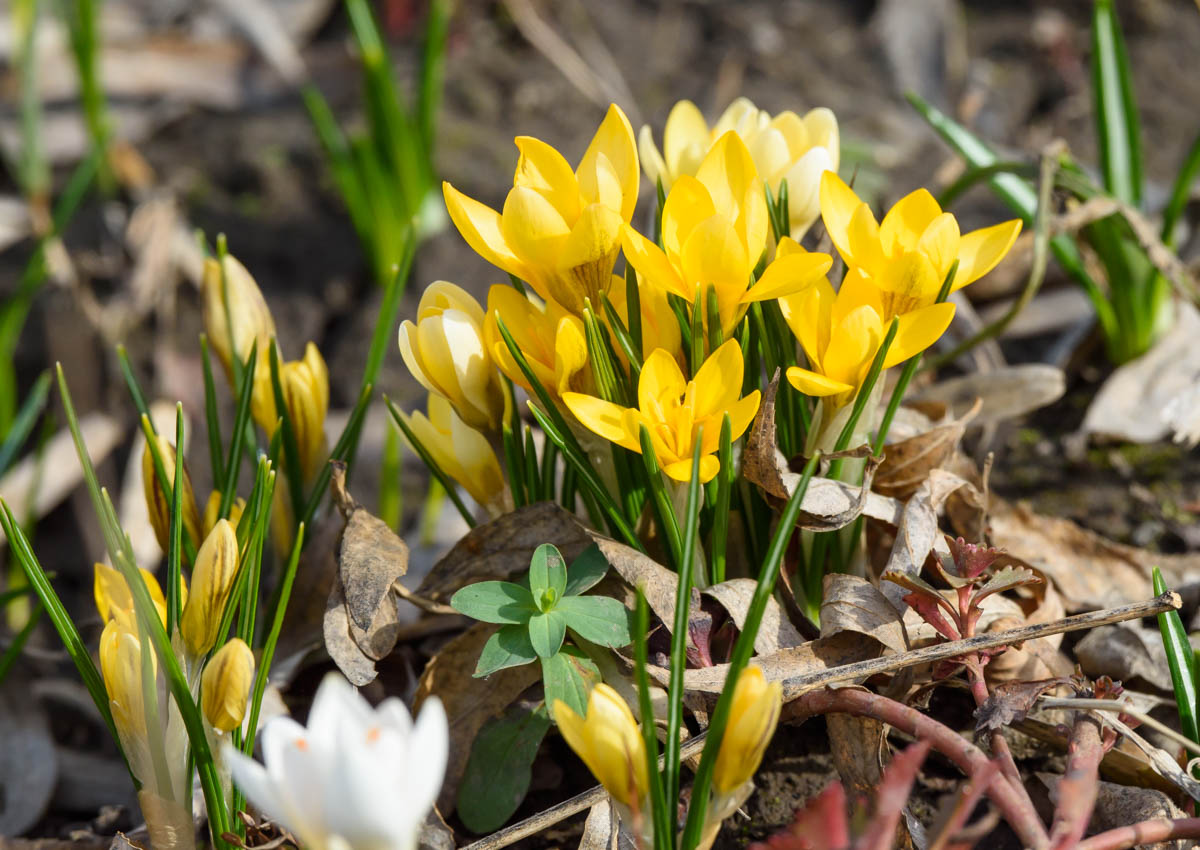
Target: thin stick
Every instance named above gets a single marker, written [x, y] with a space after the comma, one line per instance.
[1146, 832]
[575, 805]
[1123, 708]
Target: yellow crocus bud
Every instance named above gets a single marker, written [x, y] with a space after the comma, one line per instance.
[609, 742]
[212, 581]
[158, 504]
[462, 452]
[214, 506]
[552, 340]
[752, 719]
[225, 685]
[121, 669]
[445, 351]
[305, 385]
[247, 321]
[114, 599]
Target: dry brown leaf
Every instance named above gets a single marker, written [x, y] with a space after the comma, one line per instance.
[603, 830]
[776, 631]
[501, 549]
[857, 746]
[907, 463]
[371, 557]
[1004, 393]
[853, 604]
[1126, 652]
[657, 582]
[469, 702]
[1011, 702]
[341, 644]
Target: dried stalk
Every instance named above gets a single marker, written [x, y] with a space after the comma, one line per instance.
[1146, 832]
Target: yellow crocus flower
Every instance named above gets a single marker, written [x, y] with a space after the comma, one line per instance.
[714, 230]
[305, 386]
[213, 505]
[121, 669]
[784, 147]
[660, 327]
[462, 452]
[910, 253]
[674, 410]
[114, 598]
[553, 341]
[610, 744]
[212, 582]
[752, 720]
[560, 230]
[248, 320]
[841, 333]
[158, 504]
[225, 685]
[445, 351]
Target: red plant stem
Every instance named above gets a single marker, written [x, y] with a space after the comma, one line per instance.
[1146, 832]
[1016, 808]
[1080, 784]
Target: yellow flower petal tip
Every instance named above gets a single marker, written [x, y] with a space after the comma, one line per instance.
[609, 742]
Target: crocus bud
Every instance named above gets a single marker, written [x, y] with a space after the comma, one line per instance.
[158, 503]
[213, 507]
[114, 599]
[232, 333]
[121, 669]
[446, 353]
[305, 385]
[752, 719]
[609, 742]
[463, 453]
[225, 685]
[212, 580]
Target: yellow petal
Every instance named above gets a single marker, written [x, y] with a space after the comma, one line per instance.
[939, 243]
[534, 228]
[852, 344]
[913, 279]
[225, 685]
[652, 161]
[212, 581]
[808, 314]
[686, 206]
[741, 117]
[917, 331]
[651, 263]
[661, 381]
[543, 169]
[613, 139]
[681, 470]
[822, 128]
[728, 172]
[792, 130]
[714, 255]
[741, 414]
[838, 205]
[769, 150]
[862, 235]
[587, 258]
[718, 382]
[816, 385]
[804, 189]
[980, 250]
[752, 224]
[570, 351]
[600, 417]
[685, 140]
[907, 220]
[479, 224]
[789, 274]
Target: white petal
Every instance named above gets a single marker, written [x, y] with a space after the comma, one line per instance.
[392, 713]
[427, 754]
[336, 704]
[260, 789]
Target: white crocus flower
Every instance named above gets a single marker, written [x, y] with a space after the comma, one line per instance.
[358, 778]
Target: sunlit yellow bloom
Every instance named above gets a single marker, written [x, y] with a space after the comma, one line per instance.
[114, 599]
[552, 340]
[560, 230]
[213, 507]
[305, 386]
[609, 742]
[660, 327]
[752, 719]
[121, 669]
[225, 685]
[158, 505]
[786, 147]
[234, 332]
[446, 353]
[714, 230]
[674, 410]
[910, 253]
[462, 452]
[841, 333]
[212, 581]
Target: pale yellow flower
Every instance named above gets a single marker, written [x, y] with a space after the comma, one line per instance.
[225, 685]
[609, 743]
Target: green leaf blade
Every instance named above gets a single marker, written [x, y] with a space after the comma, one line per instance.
[599, 619]
[569, 676]
[509, 647]
[586, 571]
[547, 576]
[495, 602]
[546, 632]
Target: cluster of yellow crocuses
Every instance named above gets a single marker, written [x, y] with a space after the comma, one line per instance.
[561, 230]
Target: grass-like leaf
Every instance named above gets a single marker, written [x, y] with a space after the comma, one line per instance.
[1181, 661]
[1117, 125]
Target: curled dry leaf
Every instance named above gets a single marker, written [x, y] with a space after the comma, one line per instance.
[371, 556]
[350, 657]
[1004, 393]
[776, 631]
[469, 702]
[1011, 702]
[853, 604]
[828, 504]
[907, 463]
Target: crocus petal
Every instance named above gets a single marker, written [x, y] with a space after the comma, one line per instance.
[714, 255]
[980, 250]
[601, 417]
[588, 256]
[788, 274]
[430, 745]
[917, 331]
[792, 129]
[822, 128]
[862, 236]
[257, 786]
[807, 313]
[652, 161]
[543, 169]
[335, 703]
[907, 220]
[682, 470]
[838, 205]
[728, 172]
[479, 224]
[769, 150]
[688, 204]
[651, 263]
[570, 351]
[718, 382]
[853, 342]
[661, 381]
[685, 140]
[812, 384]
[804, 189]
[741, 414]
[857, 289]
[533, 227]
[614, 139]
[940, 242]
